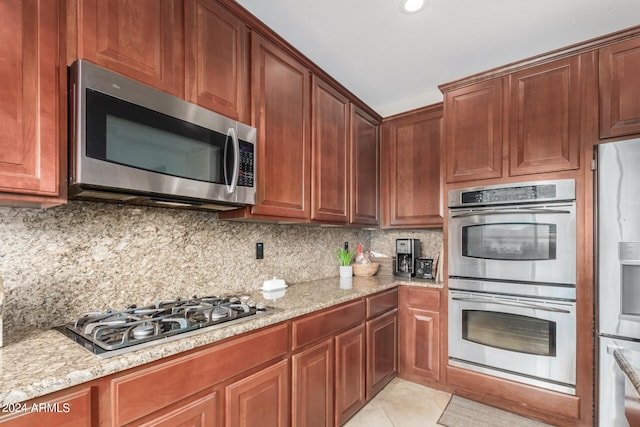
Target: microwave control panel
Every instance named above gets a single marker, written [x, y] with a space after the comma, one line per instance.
[246, 170]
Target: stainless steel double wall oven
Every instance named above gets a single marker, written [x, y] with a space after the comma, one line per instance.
[512, 282]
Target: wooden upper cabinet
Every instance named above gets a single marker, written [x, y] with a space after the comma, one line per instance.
[216, 59]
[281, 112]
[473, 131]
[412, 182]
[330, 154]
[619, 88]
[33, 115]
[365, 169]
[138, 38]
[544, 133]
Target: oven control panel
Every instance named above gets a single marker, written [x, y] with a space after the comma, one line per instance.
[513, 193]
[507, 195]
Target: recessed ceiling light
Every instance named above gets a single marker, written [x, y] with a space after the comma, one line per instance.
[412, 6]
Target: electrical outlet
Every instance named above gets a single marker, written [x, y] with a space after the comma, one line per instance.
[259, 250]
[346, 246]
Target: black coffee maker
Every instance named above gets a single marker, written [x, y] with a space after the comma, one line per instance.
[407, 251]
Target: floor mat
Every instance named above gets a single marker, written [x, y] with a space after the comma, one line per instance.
[462, 412]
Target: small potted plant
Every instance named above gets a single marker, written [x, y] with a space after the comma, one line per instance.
[345, 256]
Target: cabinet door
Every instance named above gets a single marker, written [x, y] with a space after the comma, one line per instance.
[411, 170]
[365, 169]
[198, 412]
[134, 38]
[216, 57]
[619, 87]
[382, 351]
[350, 373]
[281, 100]
[66, 409]
[330, 154]
[420, 343]
[312, 384]
[30, 146]
[473, 131]
[261, 399]
[545, 118]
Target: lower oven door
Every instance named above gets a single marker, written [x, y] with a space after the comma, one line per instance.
[529, 340]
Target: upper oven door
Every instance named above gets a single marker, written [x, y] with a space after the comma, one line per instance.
[532, 243]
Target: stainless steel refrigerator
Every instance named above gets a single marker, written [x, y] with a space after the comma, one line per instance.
[618, 271]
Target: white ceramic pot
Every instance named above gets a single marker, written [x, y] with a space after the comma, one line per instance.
[346, 271]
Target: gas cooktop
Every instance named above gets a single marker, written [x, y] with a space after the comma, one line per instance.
[111, 332]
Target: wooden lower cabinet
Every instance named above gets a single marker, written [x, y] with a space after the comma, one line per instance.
[261, 399]
[419, 334]
[68, 408]
[312, 384]
[194, 412]
[421, 344]
[382, 351]
[350, 373]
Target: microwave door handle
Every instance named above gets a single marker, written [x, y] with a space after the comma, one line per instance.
[511, 304]
[510, 212]
[231, 188]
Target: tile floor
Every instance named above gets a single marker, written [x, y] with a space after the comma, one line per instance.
[402, 403]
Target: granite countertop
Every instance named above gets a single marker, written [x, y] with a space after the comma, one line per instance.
[45, 361]
[629, 363]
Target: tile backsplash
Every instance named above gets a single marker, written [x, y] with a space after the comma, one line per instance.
[85, 256]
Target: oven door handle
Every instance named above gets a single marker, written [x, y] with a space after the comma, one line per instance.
[509, 212]
[512, 304]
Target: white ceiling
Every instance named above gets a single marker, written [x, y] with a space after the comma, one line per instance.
[394, 62]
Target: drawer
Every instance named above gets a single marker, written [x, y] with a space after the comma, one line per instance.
[327, 322]
[382, 302]
[423, 298]
[148, 390]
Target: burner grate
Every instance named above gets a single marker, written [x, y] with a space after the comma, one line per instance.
[126, 330]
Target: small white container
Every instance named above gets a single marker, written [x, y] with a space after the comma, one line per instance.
[274, 285]
[346, 271]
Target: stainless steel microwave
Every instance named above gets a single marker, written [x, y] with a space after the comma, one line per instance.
[134, 144]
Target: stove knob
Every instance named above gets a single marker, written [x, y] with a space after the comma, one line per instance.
[244, 297]
[261, 306]
[234, 300]
[251, 304]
